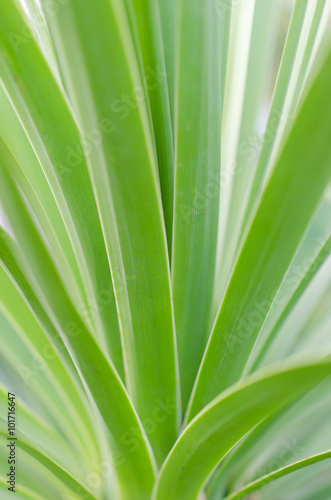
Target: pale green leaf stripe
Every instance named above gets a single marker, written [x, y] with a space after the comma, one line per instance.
[293, 300]
[39, 28]
[145, 20]
[124, 174]
[167, 15]
[51, 129]
[223, 12]
[214, 431]
[260, 39]
[197, 180]
[134, 461]
[61, 474]
[322, 9]
[274, 236]
[259, 483]
[275, 120]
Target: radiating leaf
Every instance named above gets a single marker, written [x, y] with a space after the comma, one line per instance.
[276, 231]
[134, 460]
[99, 71]
[221, 424]
[249, 488]
[309, 276]
[197, 179]
[50, 127]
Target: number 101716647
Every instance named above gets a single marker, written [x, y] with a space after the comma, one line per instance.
[11, 442]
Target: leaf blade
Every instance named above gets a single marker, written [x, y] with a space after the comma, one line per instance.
[224, 422]
[270, 245]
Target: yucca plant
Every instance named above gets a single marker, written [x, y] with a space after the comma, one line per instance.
[165, 174]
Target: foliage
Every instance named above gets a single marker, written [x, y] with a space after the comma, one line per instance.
[165, 264]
